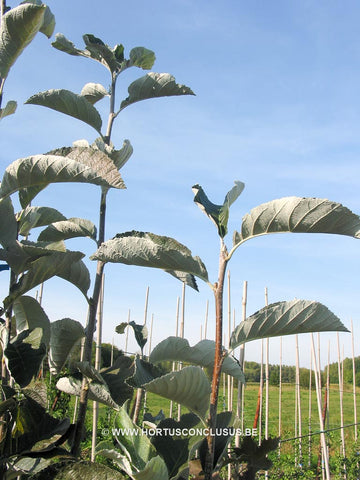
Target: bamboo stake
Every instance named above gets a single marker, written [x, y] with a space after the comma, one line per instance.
[260, 395]
[182, 328]
[280, 392]
[151, 332]
[206, 318]
[298, 398]
[310, 409]
[176, 334]
[127, 333]
[321, 421]
[328, 388]
[341, 386]
[354, 380]
[240, 397]
[97, 365]
[266, 377]
[229, 404]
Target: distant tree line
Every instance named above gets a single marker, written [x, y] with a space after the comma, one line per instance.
[288, 373]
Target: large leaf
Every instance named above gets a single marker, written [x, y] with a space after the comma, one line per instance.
[140, 332]
[98, 390]
[134, 444]
[65, 334]
[141, 57]
[29, 315]
[71, 228]
[93, 92]
[24, 354]
[189, 386]
[8, 224]
[32, 217]
[154, 85]
[64, 45]
[155, 468]
[150, 250]
[187, 278]
[66, 265]
[286, 318]
[48, 24]
[174, 449]
[296, 214]
[202, 354]
[18, 27]
[219, 214]
[41, 170]
[101, 52]
[115, 378]
[70, 103]
[69, 470]
[9, 109]
[144, 373]
[95, 158]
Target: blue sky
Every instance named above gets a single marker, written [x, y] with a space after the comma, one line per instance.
[276, 106]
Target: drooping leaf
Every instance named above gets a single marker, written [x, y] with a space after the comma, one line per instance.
[29, 314]
[98, 160]
[144, 373]
[286, 318]
[187, 278]
[18, 27]
[174, 449]
[140, 332]
[63, 44]
[32, 217]
[150, 250]
[154, 85]
[9, 109]
[101, 52]
[223, 420]
[106, 449]
[202, 354]
[132, 441]
[141, 57]
[71, 228]
[70, 103]
[66, 265]
[296, 214]
[8, 224]
[189, 386]
[68, 470]
[155, 468]
[93, 92]
[98, 390]
[41, 170]
[116, 379]
[120, 157]
[65, 334]
[24, 354]
[219, 214]
[25, 466]
[48, 24]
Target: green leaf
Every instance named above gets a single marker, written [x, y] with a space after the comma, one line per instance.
[141, 333]
[29, 315]
[63, 44]
[286, 318]
[71, 228]
[301, 215]
[120, 157]
[68, 470]
[101, 52]
[219, 214]
[18, 27]
[93, 92]
[98, 390]
[32, 217]
[150, 250]
[70, 103]
[174, 449]
[154, 85]
[187, 278]
[116, 377]
[254, 455]
[155, 468]
[132, 441]
[145, 372]
[202, 354]
[141, 57]
[24, 354]
[8, 224]
[62, 264]
[189, 386]
[9, 109]
[65, 334]
[41, 170]
[48, 25]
